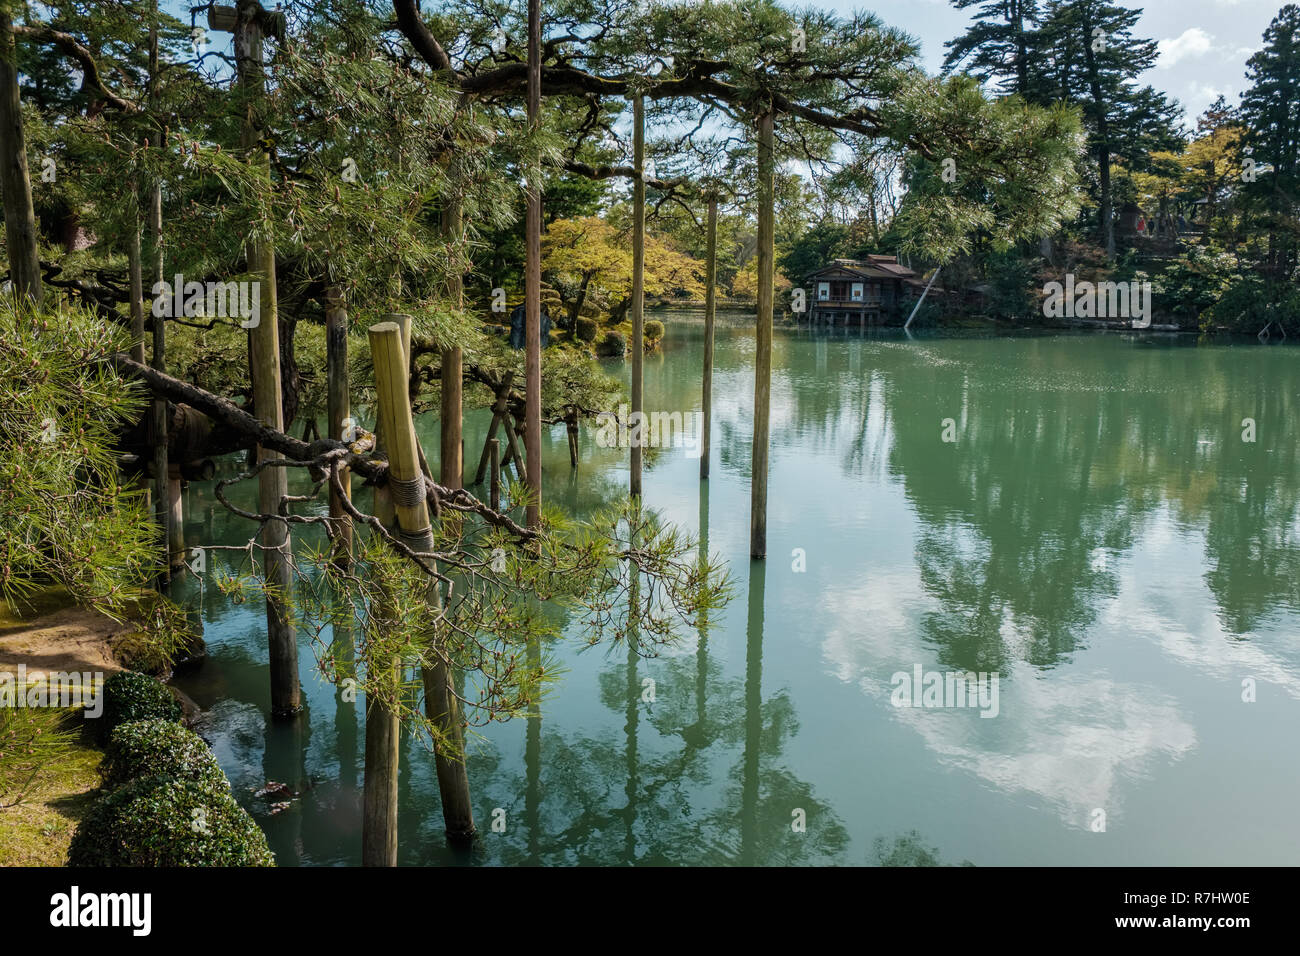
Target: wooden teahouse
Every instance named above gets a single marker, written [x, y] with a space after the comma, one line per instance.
[866, 291]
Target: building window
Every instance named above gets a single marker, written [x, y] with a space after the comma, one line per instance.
[823, 290]
[857, 292]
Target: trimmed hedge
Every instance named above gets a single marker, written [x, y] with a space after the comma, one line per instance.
[130, 696]
[585, 330]
[147, 748]
[654, 331]
[612, 345]
[159, 821]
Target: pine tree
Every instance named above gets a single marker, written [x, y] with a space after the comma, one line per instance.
[1091, 57]
[998, 45]
[1271, 111]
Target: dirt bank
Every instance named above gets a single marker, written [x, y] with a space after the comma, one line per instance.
[71, 639]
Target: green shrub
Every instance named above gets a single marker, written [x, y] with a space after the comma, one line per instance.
[612, 345]
[654, 331]
[585, 330]
[147, 748]
[1011, 281]
[160, 821]
[1193, 284]
[131, 696]
[1251, 301]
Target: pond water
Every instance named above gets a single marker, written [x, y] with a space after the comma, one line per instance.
[1098, 534]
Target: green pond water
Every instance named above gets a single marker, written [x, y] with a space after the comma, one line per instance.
[1099, 534]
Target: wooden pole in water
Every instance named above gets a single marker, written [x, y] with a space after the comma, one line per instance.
[512, 447]
[450, 460]
[763, 340]
[176, 522]
[494, 451]
[264, 362]
[383, 728]
[339, 407]
[637, 415]
[383, 500]
[379, 789]
[710, 310]
[406, 482]
[499, 405]
[533, 281]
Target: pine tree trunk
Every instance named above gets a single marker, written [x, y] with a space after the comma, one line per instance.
[710, 310]
[338, 408]
[15, 180]
[533, 283]
[763, 341]
[638, 290]
[264, 364]
[451, 467]
[1103, 139]
[158, 407]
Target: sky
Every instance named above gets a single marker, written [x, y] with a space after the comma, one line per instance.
[1204, 44]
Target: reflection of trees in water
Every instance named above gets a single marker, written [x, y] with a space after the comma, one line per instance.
[705, 787]
[1252, 540]
[1020, 517]
[1254, 549]
[908, 849]
[1062, 456]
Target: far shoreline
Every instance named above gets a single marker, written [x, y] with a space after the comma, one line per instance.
[974, 323]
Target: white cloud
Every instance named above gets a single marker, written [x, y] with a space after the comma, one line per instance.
[1193, 42]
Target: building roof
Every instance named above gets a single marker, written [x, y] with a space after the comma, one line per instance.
[872, 267]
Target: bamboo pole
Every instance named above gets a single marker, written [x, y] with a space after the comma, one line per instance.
[412, 510]
[338, 408]
[383, 500]
[533, 281]
[638, 289]
[383, 727]
[763, 341]
[264, 362]
[710, 313]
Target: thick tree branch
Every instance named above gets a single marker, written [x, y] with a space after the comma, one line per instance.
[322, 453]
[73, 48]
[697, 82]
[422, 39]
[610, 172]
